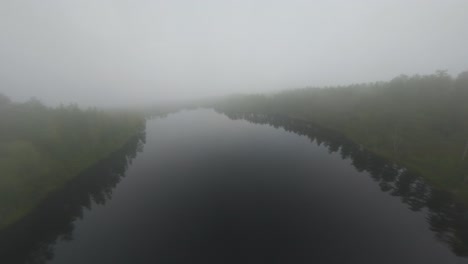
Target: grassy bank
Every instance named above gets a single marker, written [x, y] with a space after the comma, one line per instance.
[42, 148]
[420, 122]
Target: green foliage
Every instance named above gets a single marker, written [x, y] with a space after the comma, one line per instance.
[419, 121]
[42, 148]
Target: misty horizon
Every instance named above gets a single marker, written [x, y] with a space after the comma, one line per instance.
[113, 53]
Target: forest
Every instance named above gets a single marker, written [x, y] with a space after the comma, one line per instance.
[420, 121]
[42, 148]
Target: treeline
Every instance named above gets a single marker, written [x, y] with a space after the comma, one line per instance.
[420, 122]
[42, 148]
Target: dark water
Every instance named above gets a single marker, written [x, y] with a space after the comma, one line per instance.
[205, 188]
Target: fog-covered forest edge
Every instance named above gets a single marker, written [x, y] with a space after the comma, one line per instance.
[420, 122]
[42, 148]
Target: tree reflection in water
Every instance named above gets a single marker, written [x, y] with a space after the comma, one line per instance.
[32, 239]
[447, 218]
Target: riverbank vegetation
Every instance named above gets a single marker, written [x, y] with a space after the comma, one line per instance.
[42, 148]
[420, 122]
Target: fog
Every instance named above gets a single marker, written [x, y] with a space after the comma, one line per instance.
[110, 53]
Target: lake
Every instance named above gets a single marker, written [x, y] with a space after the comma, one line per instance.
[208, 187]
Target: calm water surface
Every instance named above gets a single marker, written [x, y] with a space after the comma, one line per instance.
[206, 188]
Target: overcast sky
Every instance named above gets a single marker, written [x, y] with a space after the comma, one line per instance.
[103, 52]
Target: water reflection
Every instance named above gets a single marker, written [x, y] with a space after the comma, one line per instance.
[447, 218]
[223, 212]
[32, 239]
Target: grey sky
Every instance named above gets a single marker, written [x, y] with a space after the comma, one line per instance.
[106, 52]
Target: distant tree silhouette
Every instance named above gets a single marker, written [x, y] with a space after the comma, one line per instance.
[461, 83]
[4, 100]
